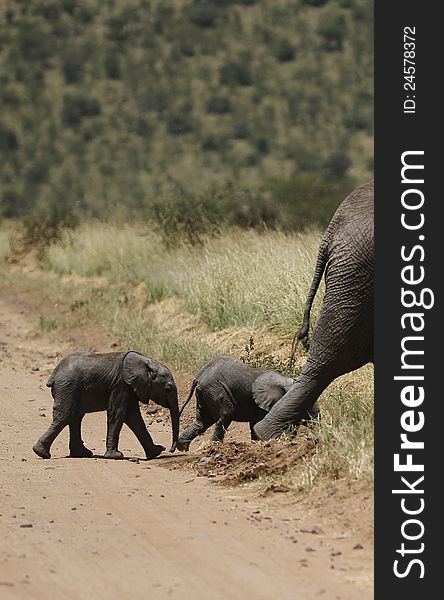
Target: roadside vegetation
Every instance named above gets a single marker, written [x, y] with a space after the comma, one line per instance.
[239, 293]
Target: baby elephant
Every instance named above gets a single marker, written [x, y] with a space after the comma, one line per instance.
[229, 390]
[83, 382]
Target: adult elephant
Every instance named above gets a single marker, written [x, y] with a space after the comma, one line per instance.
[343, 335]
[116, 382]
[229, 390]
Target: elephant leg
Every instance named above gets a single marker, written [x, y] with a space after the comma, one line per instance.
[114, 427]
[202, 421]
[116, 412]
[342, 342]
[292, 408]
[222, 425]
[135, 422]
[43, 445]
[76, 447]
[62, 413]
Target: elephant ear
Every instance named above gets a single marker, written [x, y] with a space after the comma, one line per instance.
[269, 388]
[138, 371]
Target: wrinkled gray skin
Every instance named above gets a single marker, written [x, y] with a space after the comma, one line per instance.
[343, 334]
[229, 390]
[83, 382]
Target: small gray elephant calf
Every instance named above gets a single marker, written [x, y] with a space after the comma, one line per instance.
[229, 390]
[84, 382]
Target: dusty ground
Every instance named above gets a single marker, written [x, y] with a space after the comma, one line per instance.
[92, 528]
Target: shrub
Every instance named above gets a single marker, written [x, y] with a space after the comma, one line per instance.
[284, 51]
[182, 217]
[338, 164]
[8, 139]
[309, 200]
[357, 120]
[218, 104]
[111, 64]
[332, 28]
[240, 130]
[72, 66]
[214, 142]
[235, 72]
[203, 14]
[34, 43]
[180, 123]
[315, 2]
[77, 107]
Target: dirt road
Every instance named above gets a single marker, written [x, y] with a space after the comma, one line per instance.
[93, 529]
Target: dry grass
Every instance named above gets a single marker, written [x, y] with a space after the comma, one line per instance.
[237, 279]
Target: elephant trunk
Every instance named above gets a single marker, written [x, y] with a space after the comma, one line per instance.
[174, 412]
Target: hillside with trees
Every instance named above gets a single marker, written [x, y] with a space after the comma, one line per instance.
[250, 110]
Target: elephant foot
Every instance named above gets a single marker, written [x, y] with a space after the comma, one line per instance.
[81, 452]
[41, 450]
[183, 446]
[114, 454]
[154, 451]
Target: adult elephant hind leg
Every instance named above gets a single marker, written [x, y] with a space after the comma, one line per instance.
[77, 449]
[292, 408]
[135, 422]
[327, 360]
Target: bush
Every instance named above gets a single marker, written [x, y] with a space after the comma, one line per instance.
[240, 130]
[8, 139]
[182, 217]
[332, 28]
[338, 164]
[235, 72]
[44, 225]
[357, 120]
[214, 142]
[111, 64]
[72, 66]
[77, 107]
[309, 200]
[315, 2]
[203, 14]
[34, 43]
[284, 51]
[218, 104]
[180, 123]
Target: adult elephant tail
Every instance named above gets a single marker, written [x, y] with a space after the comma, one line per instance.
[190, 395]
[302, 334]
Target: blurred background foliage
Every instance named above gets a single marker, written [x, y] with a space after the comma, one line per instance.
[187, 113]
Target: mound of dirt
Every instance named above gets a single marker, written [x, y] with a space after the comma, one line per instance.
[238, 462]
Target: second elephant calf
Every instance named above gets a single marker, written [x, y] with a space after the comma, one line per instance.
[229, 390]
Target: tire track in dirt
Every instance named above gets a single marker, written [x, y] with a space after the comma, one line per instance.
[92, 528]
